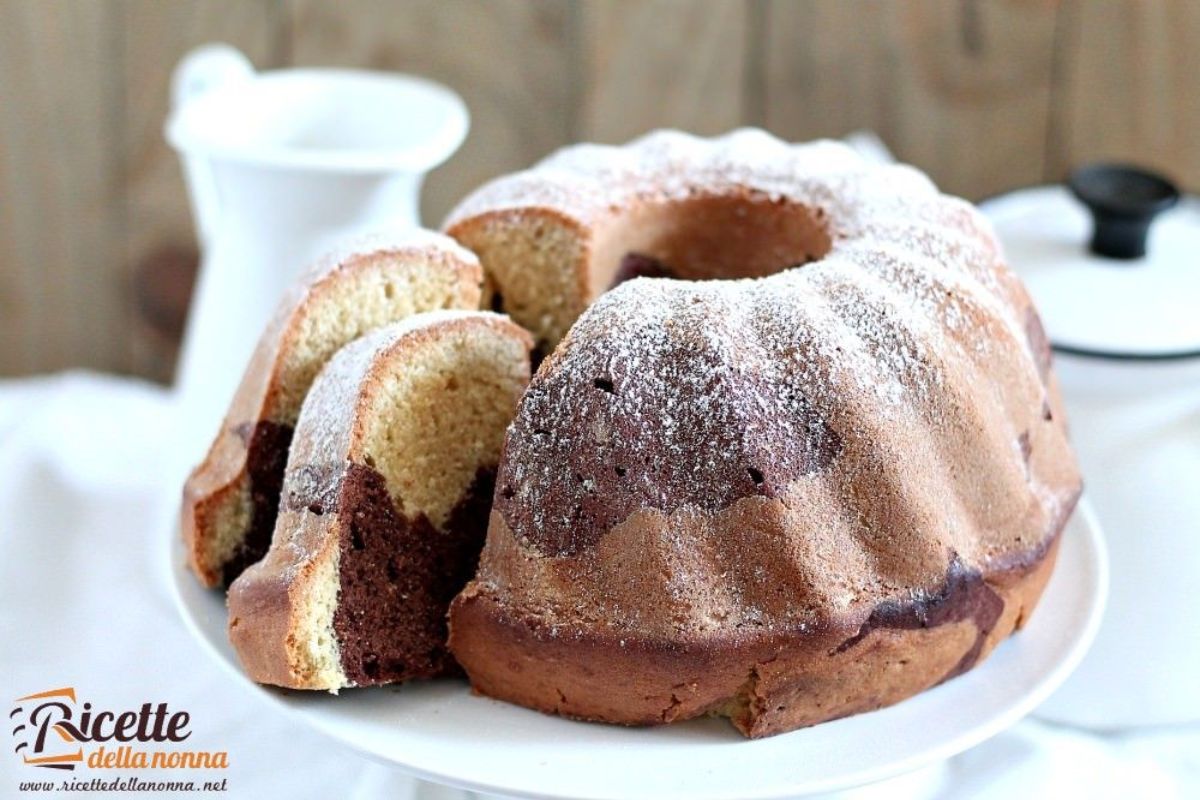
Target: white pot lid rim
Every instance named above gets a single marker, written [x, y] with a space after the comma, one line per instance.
[1145, 309]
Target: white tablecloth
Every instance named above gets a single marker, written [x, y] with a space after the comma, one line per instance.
[85, 466]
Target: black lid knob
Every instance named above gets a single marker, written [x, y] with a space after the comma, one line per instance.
[1124, 200]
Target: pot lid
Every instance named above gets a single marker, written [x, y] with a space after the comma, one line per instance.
[1110, 259]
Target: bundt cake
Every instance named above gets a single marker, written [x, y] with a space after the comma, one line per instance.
[384, 505]
[230, 500]
[816, 465]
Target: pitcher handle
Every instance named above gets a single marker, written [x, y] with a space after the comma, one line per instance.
[200, 71]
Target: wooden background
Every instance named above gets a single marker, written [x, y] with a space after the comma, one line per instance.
[96, 246]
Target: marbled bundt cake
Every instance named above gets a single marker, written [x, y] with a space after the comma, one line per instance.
[817, 466]
[384, 505]
[229, 501]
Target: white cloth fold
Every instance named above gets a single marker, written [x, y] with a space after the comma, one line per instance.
[87, 484]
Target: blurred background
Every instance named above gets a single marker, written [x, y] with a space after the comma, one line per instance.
[97, 253]
[98, 259]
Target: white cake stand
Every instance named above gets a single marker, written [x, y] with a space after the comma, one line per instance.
[439, 732]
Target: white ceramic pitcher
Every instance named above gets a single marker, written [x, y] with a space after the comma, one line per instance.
[280, 165]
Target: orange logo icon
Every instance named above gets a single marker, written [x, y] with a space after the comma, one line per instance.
[36, 716]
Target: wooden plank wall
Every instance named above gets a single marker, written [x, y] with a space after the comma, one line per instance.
[96, 248]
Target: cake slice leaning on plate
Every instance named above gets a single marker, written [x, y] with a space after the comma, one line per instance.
[385, 505]
[230, 499]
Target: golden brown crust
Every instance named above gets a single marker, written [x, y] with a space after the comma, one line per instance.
[221, 481]
[765, 684]
[264, 613]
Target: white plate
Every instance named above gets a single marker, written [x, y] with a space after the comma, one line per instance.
[440, 732]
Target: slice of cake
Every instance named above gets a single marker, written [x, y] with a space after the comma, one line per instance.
[384, 507]
[230, 500]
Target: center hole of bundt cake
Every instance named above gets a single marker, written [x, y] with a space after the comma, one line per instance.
[714, 237]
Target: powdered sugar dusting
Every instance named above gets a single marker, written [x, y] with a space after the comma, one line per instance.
[399, 239]
[587, 180]
[668, 394]
[422, 241]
